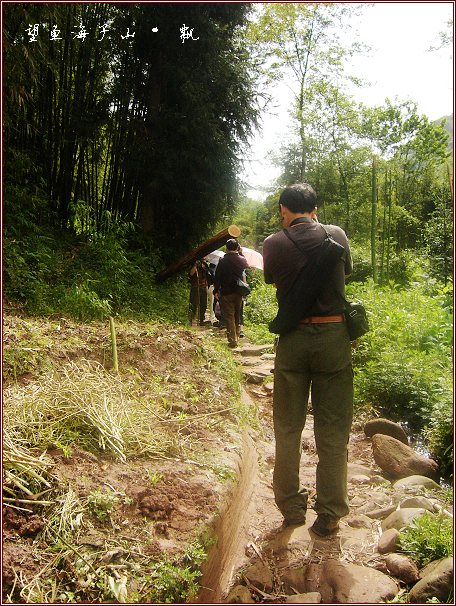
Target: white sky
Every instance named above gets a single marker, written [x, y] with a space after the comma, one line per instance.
[399, 66]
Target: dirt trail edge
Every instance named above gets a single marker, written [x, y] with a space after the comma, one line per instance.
[256, 560]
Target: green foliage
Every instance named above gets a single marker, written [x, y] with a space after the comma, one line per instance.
[101, 504]
[154, 477]
[439, 435]
[428, 538]
[172, 583]
[402, 365]
[362, 266]
[261, 306]
[83, 303]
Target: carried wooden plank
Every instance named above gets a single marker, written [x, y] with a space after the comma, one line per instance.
[220, 239]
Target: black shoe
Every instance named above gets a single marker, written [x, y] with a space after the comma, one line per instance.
[325, 524]
[293, 522]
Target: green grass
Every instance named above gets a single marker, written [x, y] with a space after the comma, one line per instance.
[428, 538]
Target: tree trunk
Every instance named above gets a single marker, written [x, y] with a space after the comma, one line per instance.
[204, 249]
[374, 219]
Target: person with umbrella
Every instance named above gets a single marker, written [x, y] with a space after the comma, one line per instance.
[229, 270]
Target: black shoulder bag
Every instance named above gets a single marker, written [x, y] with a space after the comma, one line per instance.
[356, 319]
[301, 296]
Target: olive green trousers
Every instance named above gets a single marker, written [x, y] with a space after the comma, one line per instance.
[315, 358]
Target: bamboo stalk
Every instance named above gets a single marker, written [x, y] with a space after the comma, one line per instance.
[115, 362]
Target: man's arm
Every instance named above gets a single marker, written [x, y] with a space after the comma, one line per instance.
[266, 263]
[218, 276]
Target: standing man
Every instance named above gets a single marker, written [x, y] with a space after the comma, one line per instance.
[315, 357]
[229, 269]
[198, 291]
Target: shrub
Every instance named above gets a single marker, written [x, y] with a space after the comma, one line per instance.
[261, 305]
[439, 435]
[428, 538]
[83, 303]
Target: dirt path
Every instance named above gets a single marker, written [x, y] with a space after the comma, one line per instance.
[269, 556]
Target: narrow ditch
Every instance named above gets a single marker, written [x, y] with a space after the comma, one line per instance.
[231, 529]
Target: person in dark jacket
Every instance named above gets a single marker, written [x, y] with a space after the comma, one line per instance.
[229, 269]
[314, 357]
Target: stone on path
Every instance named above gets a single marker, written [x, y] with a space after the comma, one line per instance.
[341, 583]
[312, 597]
[253, 350]
[402, 518]
[381, 514]
[260, 576]
[418, 502]
[415, 481]
[402, 567]
[388, 541]
[400, 461]
[437, 584]
[239, 595]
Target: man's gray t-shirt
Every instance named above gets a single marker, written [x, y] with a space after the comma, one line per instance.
[283, 261]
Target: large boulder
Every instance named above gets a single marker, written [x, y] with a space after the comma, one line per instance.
[399, 461]
[340, 583]
[437, 584]
[387, 428]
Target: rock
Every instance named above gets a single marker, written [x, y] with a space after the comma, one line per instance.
[429, 568]
[253, 377]
[260, 576]
[268, 387]
[402, 567]
[388, 541]
[254, 350]
[360, 479]
[312, 597]
[378, 480]
[401, 461]
[418, 502]
[239, 595]
[415, 481]
[437, 584]
[340, 583]
[359, 521]
[387, 428]
[381, 514]
[401, 518]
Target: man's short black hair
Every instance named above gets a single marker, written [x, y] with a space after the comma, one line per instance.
[299, 198]
[232, 244]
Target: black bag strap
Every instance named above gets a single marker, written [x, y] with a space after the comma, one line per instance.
[328, 235]
[288, 235]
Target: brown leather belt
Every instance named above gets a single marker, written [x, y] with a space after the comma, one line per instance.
[322, 319]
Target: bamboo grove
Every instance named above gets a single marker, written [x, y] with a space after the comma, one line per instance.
[119, 114]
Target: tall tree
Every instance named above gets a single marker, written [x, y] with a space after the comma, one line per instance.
[301, 43]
